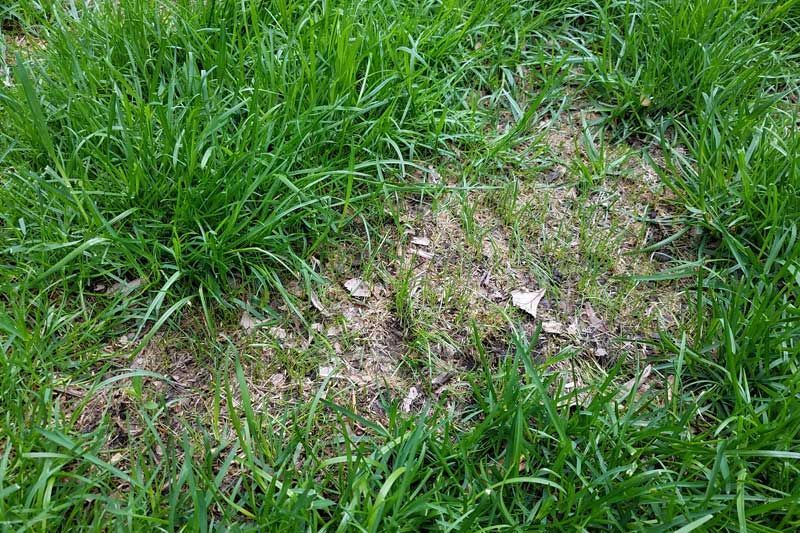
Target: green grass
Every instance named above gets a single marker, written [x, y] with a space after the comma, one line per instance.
[211, 149]
[212, 142]
[654, 62]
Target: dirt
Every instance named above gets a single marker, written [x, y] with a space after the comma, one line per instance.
[435, 284]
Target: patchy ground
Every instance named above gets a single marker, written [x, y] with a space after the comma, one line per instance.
[15, 42]
[404, 319]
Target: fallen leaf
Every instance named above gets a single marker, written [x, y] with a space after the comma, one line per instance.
[670, 387]
[627, 387]
[278, 379]
[421, 241]
[442, 379]
[358, 288]
[325, 371]
[247, 322]
[595, 322]
[553, 327]
[408, 401]
[378, 290]
[116, 458]
[434, 175]
[421, 253]
[645, 101]
[278, 333]
[316, 303]
[574, 329]
[125, 287]
[528, 301]
[295, 289]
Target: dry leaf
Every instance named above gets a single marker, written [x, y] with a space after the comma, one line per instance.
[421, 241]
[595, 322]
[627, 387]
[247, 322]
[316, 303]
[527, 301]
[278, 333]
[442, 379]
[278, 379]
[325, 371]
[421, 253]
[670, 387]
[553, 327]
[408, 401]
[358, 288]
[574, 329]
[116, 458]
[378, 290]
[434, 175]
[126, 287]
[645, 101]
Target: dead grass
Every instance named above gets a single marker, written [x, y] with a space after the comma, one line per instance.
[445, 272]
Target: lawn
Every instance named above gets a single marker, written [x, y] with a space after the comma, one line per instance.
[399, 265]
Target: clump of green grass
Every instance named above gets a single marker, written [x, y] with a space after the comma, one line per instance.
[741, 183]
[16, 15]
[210, 141]
[527, 454]
[653, 61]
